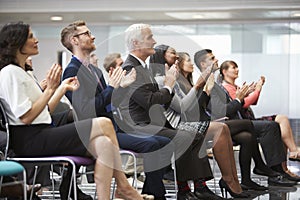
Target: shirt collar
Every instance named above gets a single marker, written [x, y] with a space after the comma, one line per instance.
[141, 61]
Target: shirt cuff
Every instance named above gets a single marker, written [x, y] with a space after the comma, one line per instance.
[168, 88]
[238, 100]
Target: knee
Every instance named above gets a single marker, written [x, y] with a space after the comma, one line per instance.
[225, 130]
[105, 124]
[244, 138]
[281, 119]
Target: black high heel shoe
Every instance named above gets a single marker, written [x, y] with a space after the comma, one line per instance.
[251, 185]
[223, 185]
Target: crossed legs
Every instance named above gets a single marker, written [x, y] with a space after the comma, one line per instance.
[104, 146]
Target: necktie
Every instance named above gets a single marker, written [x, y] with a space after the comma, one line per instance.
[94, 73]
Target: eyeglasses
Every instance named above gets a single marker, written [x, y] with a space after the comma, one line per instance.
[87, 33]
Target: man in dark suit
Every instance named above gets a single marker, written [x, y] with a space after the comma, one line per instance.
[93, 99]
[268, 132]
[143, 107]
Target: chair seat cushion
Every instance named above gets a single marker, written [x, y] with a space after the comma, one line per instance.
[10, 167]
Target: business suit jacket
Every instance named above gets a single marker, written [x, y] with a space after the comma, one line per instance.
[268, 132]
[221, 105]
[143, 95]
[90, 100]
[143, 108]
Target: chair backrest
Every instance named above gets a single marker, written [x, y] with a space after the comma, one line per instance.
[4, 126]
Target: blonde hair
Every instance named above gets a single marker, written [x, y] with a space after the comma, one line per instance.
[68, 32]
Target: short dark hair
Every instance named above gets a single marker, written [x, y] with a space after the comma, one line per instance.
[200, 56]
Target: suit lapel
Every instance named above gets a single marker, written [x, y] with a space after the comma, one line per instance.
[85, 72]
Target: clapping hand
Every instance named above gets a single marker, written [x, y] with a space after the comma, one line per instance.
[214, 66]
[172, 74]
[128, 79]
[209, 84]
[53, 77]
[115, 76]
[70, 84]
[242, 92]
[251, 89]
[260, 83]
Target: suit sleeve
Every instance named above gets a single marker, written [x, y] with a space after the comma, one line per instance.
[220, 106]
[146, 94]
[88, 101]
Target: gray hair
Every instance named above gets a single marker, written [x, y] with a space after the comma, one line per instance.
[134, 33]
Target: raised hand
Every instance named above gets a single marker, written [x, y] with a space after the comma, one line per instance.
[70, 84]
[260, 83]
[115, 76]
[214, 66]
[211, 69]
[251, 89]
[53, 77]
[43, 84]
[209, 84]
[128, 79]
[172, 74]
[242, 92]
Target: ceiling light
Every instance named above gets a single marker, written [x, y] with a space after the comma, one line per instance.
[297, 14]
[197, 16]
[56, 18]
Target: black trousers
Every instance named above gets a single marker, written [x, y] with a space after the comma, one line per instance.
[269, 135]
[156, 151]
[189, 166]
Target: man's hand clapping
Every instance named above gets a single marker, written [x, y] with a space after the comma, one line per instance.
[115, 76]
[128, 79]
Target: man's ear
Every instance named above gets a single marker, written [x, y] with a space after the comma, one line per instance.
[74, 40]
[136, 43]
[201, 65]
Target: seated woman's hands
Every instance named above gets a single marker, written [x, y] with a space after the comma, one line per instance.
[53, 77]
[70, 84]
[242, 92]
[260, 83]
[171, 74]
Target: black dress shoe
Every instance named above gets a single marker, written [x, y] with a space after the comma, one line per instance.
[253, 186]
[291, 178]
[186, 196]
[280, 181]
[266, 172]
[206, 193]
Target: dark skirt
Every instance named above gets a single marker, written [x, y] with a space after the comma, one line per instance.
[46, 140]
